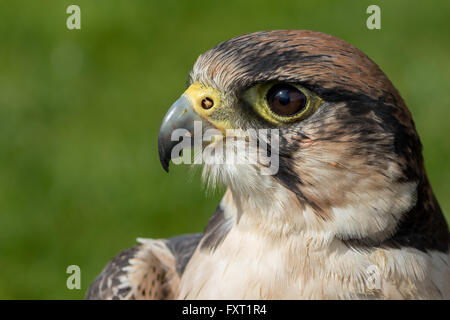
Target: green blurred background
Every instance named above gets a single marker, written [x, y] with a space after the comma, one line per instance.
[80, 111]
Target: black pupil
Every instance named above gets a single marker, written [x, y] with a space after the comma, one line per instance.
[283, 97]
[286, 100]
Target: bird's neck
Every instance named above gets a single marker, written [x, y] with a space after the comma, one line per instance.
[413, 219]
[245, 254]
[278, 218]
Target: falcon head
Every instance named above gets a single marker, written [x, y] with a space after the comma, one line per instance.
[349, 158]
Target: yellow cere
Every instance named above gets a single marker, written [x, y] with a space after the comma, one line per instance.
[196, 93]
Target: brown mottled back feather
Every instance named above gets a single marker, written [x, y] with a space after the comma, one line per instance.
[151, 270]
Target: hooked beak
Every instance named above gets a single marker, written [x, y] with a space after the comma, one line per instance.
[181, 115]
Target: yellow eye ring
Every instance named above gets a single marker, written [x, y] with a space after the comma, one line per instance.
[282, 103]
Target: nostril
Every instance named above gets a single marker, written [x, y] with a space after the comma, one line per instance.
[207, 103]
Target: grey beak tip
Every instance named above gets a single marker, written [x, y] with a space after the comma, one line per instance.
[166, 167]
[163, 158]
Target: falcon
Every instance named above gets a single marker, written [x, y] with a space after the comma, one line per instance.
[349, 214]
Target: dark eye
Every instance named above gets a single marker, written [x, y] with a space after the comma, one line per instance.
[286, 100]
